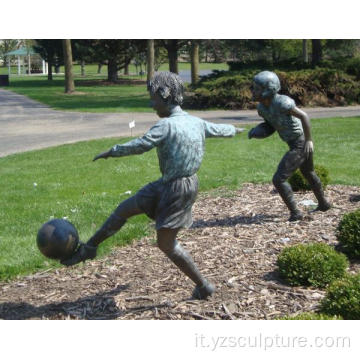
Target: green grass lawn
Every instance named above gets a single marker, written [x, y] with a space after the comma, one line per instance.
[64, 182]
[92, 69]
[91, 95]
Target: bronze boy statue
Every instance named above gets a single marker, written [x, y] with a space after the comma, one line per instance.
[293, 125]
[179, 139]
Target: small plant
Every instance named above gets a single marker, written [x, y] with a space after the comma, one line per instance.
[348, 233]
[299, 183]
[343, 298]
[311, 316]
[311, 264]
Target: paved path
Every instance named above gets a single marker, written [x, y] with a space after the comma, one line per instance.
[28, 125]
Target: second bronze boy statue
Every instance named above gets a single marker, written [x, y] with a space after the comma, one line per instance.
[293, 125]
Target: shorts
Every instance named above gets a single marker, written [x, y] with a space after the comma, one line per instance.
[294, 159]
[169, 203]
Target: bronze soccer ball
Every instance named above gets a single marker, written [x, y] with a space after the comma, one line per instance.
[57, 239]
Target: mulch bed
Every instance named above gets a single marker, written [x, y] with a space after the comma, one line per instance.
[235, 240]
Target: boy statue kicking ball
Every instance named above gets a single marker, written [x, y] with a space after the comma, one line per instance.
[293, 125]
[180, 141]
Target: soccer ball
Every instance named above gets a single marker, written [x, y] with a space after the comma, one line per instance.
[57, 239]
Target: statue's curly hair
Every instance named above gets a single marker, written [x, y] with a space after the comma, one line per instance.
[169, 86]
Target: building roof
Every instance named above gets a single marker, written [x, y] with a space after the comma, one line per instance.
[23, 51]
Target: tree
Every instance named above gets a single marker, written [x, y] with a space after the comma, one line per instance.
[7, 46]
[173, 46]
[305, 54]
[51, 51]
[160, 54]
[194, 55]
[215, 50]
[316, 55]
[117, 54]
[69, 77]
[150, 59]
[82, 52]
[341, 48]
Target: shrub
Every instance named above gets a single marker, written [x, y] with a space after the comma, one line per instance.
[311, 264]
[353, 67]
[311, 316]
[299, 183]
[348, 233]
[308, 87]
[343, 298]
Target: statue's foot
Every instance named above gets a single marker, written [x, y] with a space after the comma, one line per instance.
[354, 198]
[84, 252]
[202, 292]
[296, 216]
[323, 207]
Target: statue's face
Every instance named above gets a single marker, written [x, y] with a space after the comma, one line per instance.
[159, 105]
[256, 91]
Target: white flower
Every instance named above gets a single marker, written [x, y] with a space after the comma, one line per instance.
[65, 217]
[35, 184]
[73, 210]
[127, 192]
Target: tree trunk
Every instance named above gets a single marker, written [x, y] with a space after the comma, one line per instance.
[126, 68]
[194, 54]
[173, 56]
[150, 59]
[305, 54]
[99, 68]
[112, 70]
[50, 66]
[69, 77]
[82, 65]
[316, 52]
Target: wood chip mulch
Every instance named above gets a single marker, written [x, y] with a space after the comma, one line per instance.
[235, 240]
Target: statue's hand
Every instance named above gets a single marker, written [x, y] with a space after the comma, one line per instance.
[103, 155]
[239, 130]
[82, 253]
[251, 133]
[308, 148]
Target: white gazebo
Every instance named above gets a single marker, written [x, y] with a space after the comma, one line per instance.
[32, 58]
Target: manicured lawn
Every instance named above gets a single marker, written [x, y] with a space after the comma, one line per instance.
[64, 182]
[92, 69]
[92, 95]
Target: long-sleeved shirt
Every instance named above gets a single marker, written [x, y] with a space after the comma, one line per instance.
[180, 143]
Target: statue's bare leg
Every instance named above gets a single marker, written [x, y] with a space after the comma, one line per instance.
[166, 239]
[115, 221]
[288, 164]
[112, 225]
[307, 169]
